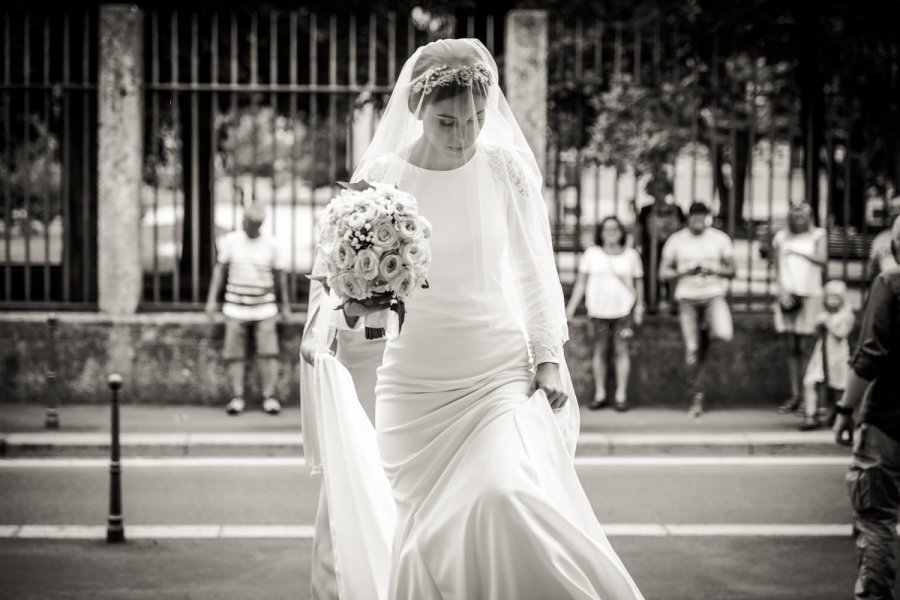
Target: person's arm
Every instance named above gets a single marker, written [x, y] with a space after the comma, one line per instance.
[281, 280]
[639, 309]
[638, 283]
[215, 288]
[726, 267]
[819, 256]
[841, 324]
[577, 294]
[536, 277]
[870, 358]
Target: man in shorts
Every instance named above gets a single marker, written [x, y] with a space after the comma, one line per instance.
[250, 265]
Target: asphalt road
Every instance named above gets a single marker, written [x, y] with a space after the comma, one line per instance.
[712, 564]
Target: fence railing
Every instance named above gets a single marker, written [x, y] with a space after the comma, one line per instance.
[48, 150]
[723, 123]
[271, 108]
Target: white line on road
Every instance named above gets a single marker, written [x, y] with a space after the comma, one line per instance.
[305, 532]
[296, 461]
[295, 438]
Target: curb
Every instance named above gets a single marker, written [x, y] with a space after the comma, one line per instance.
[64, 444]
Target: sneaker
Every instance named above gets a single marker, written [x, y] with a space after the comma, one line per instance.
[696, 409]
[810, 423]
[236, 406]
[272, 406]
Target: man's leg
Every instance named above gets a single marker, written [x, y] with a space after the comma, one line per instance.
[236, 370]
[690, 331]
[234, 354]
[267, 354]
[873, 484]
[718, 319]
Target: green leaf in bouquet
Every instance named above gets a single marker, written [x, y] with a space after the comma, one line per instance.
[356, 186]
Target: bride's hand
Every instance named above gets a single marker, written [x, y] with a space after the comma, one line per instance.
[547, 378]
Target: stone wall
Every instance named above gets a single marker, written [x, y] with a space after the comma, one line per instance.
[175, 358]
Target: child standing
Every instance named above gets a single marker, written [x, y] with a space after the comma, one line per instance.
[250, 265]
[826, 374]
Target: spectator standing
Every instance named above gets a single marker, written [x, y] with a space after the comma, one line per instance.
[880, 256]
[610, 280]
[826, 374]
[874, 476]
[699, 260]
[657, 222]
[801, 255]
[250, 265]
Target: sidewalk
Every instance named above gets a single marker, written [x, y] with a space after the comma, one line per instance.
[208, 431]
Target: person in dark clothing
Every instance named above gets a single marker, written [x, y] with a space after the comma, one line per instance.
[657, 222]
[874, 476]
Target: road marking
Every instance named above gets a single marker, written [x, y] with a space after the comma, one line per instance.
[295, 439]
[711, 461]
[305, 532]
[299, 461]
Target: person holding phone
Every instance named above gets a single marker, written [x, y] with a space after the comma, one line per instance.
[699, 260]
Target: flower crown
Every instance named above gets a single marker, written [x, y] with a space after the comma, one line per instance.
[445, 75]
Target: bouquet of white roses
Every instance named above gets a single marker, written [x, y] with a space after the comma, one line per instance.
[373, 246]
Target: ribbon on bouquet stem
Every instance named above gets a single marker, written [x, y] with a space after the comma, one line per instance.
[376, 324]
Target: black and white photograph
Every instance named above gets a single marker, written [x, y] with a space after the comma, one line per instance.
[449, 300]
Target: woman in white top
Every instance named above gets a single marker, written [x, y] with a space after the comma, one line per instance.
[610, 280]
[801, 255]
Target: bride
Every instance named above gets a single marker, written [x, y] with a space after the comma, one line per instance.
[475, 418]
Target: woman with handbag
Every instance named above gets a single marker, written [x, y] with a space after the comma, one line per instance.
[801, 256]
[610, 279]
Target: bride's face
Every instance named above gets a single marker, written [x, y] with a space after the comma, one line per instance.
[452, 125]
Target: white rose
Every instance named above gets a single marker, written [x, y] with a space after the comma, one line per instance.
[367, 264]
[416, 254]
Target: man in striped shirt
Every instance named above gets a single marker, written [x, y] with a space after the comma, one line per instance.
[250, 265]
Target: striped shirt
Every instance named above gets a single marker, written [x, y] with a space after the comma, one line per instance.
[250, 283]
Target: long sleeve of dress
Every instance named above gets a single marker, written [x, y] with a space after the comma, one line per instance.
[532, 260]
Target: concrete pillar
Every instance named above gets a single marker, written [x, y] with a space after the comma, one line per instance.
[526, 76]
[120, 154]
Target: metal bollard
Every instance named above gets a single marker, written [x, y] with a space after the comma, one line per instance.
[115, 526]
[51, 416]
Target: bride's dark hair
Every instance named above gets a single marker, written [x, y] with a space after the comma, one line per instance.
[445, 53]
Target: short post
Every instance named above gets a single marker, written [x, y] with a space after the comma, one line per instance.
[51, 416]
[115, 527]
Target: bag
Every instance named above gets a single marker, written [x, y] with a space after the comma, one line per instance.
[790, 303]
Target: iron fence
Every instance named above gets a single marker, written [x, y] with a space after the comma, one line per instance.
[726, 123]
[272, 108]
[48, 92]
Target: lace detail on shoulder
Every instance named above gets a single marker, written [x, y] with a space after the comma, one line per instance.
[506, 169]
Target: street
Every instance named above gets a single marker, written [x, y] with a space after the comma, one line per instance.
[687, 528]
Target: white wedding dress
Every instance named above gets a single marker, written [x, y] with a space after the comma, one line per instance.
[488, 503]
